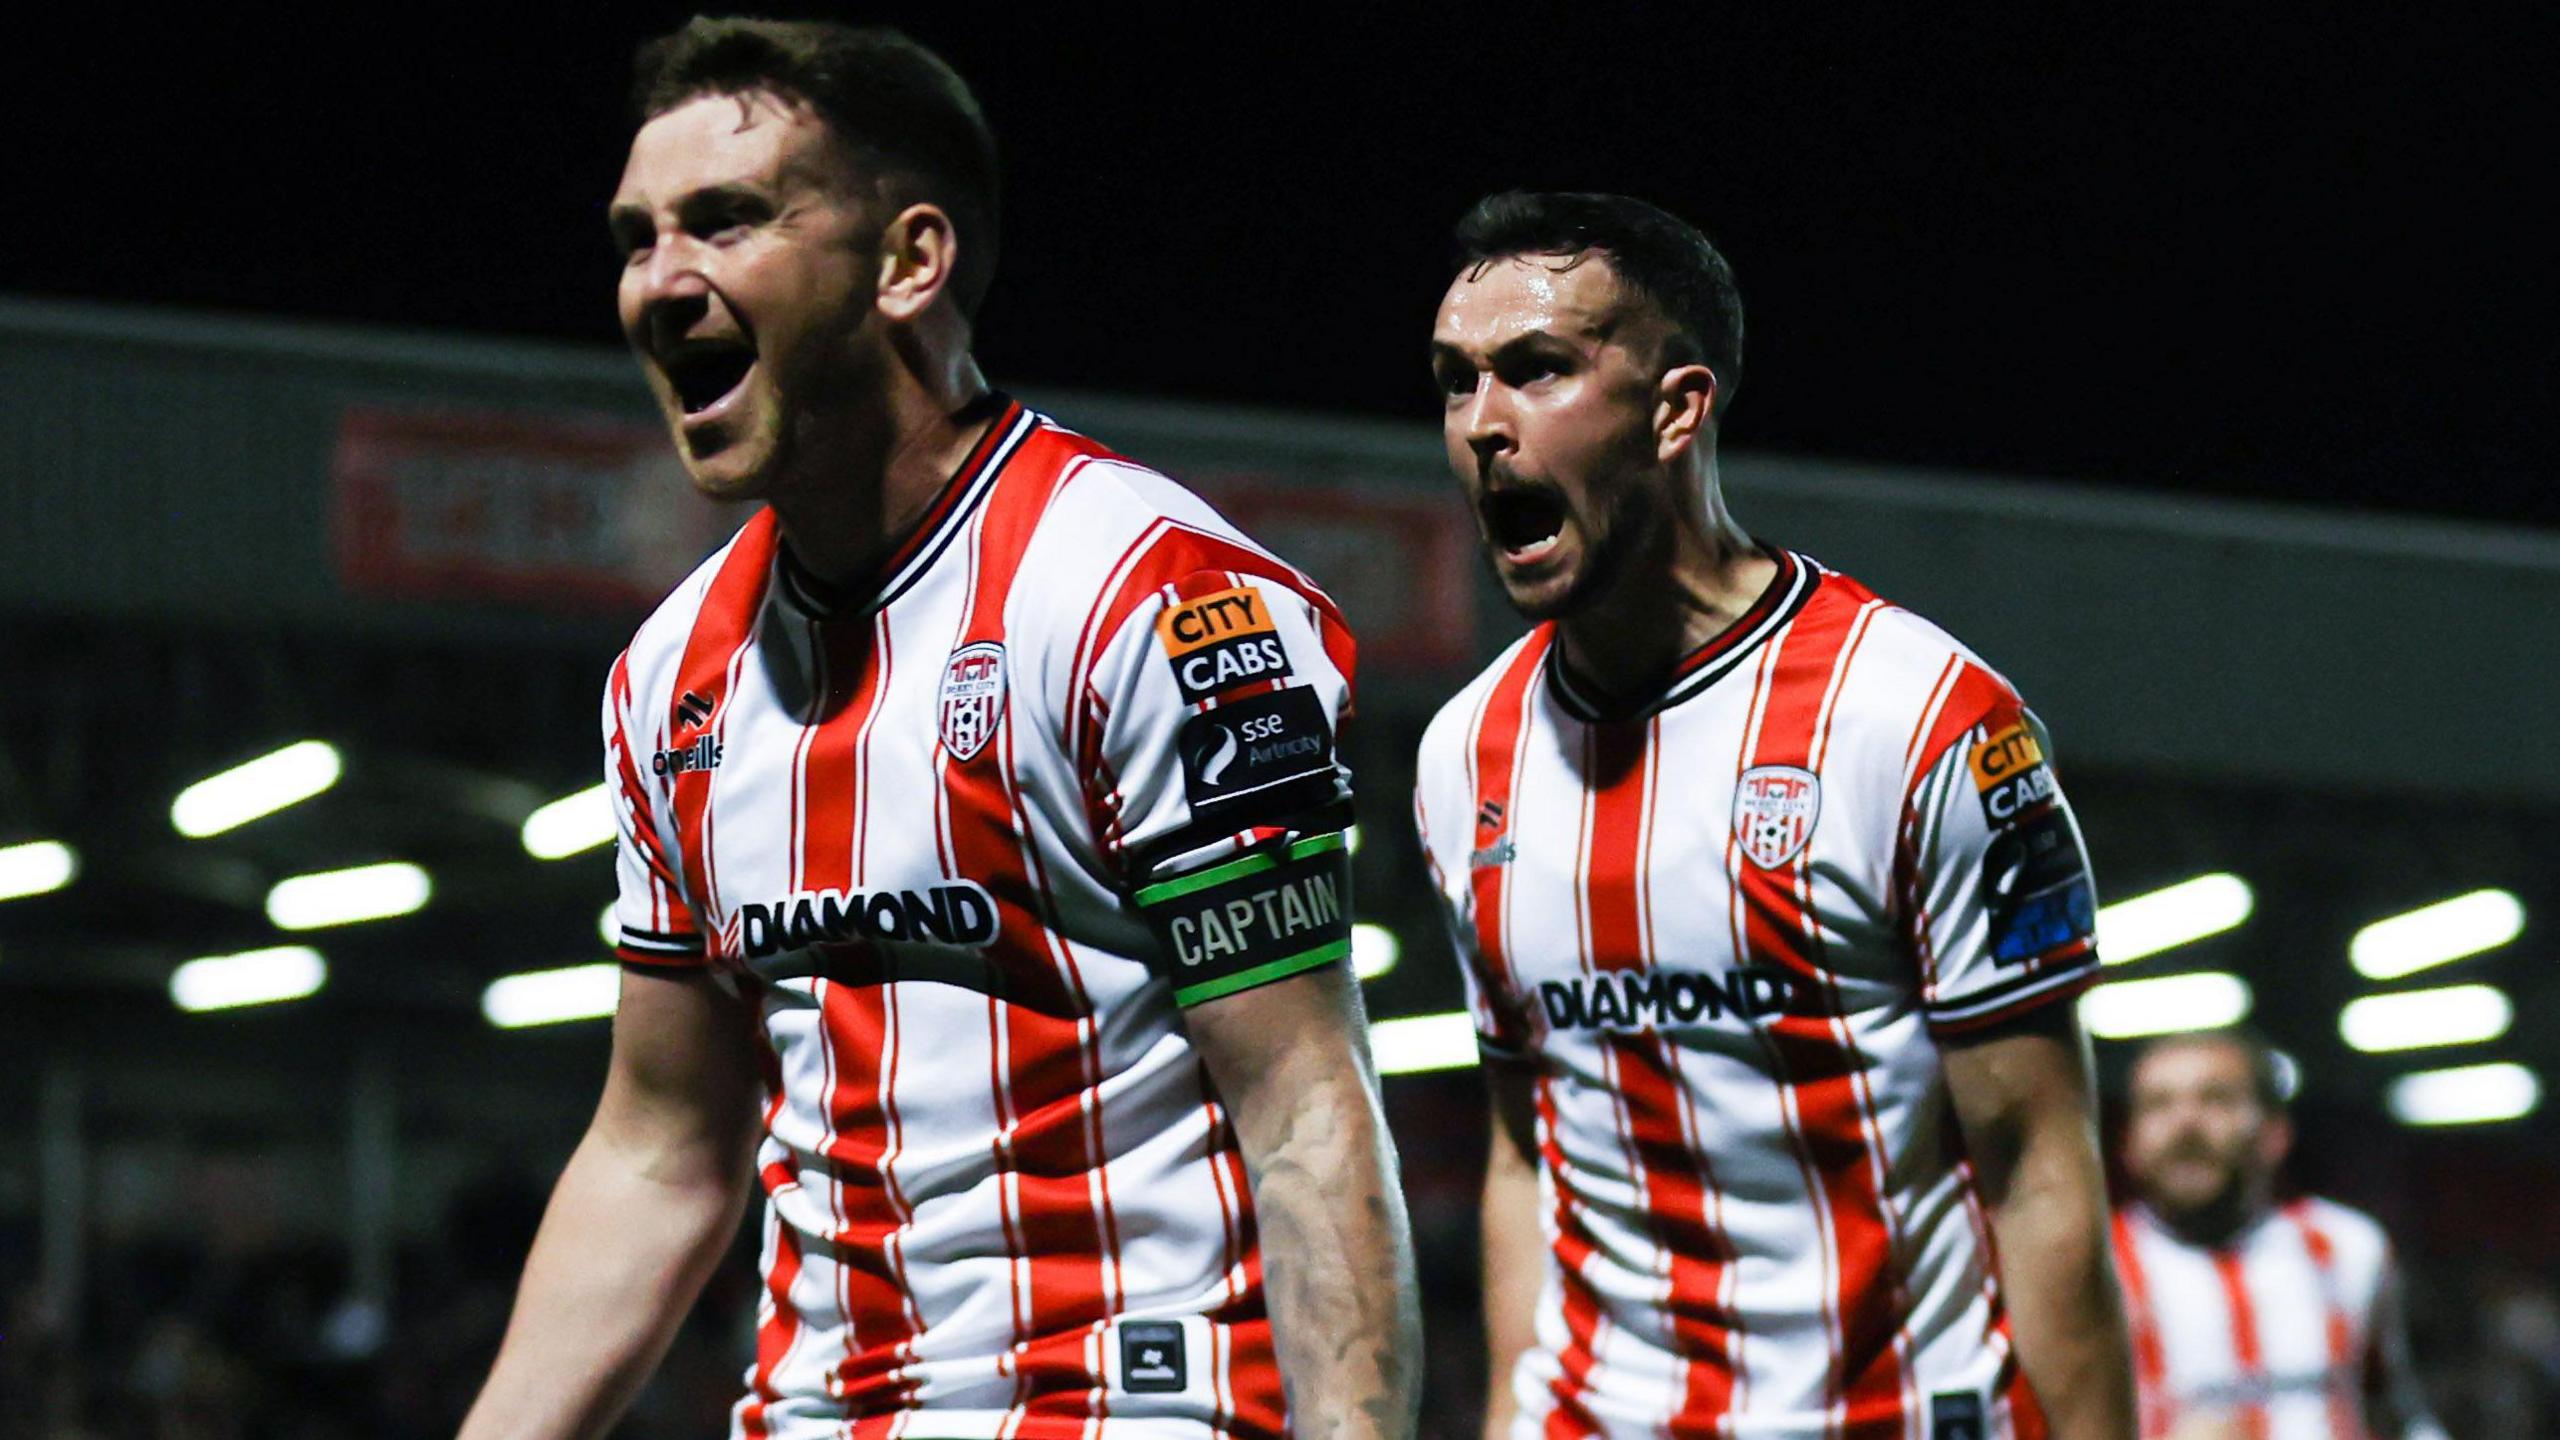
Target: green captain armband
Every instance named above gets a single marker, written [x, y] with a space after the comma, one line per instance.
[1268, 913]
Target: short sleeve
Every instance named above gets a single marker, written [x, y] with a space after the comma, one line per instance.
[1218, 704]
[2005, 918]
[653, 921]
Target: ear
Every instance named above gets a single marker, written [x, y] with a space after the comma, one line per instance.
[2275, 1141]
[1684, 412]
[918, 254]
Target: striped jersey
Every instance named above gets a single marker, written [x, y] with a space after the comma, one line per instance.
[1003, 1197]
[1726, 931]
[2279, 1330]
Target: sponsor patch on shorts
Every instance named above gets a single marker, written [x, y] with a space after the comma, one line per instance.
[1220, 641]
[1956, 1415]
[1152, 1358]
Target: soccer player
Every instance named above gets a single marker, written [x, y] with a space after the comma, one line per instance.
[1770, 912]
[982, 876]
[2250, 1318]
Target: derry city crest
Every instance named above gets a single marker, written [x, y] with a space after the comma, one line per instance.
[972, 698]
[1774, 807]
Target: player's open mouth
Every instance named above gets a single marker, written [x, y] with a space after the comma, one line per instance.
[1523, 522]
[708, 374]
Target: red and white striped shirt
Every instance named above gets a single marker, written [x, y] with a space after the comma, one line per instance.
[1003, 1197]
[1727, 931]
[2280, 1330]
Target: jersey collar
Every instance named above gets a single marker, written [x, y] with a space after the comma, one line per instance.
[943, 521]
[1778, 602]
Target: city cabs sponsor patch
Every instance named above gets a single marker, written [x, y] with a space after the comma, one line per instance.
[1774, 807]
[2010, 773]
[1220, 641]
[972, 698]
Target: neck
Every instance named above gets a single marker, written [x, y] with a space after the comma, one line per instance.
[2214, 1225]
[852, 503]
[1677, 589]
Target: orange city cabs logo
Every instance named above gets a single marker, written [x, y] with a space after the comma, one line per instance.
[1774, 807]
[972, 698]
[1218, 641]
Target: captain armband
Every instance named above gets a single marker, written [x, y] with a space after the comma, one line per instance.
[1265, 914]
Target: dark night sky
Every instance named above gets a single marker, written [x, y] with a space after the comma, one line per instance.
[2293, 253]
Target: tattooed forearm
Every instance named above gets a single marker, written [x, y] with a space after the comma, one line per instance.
[1338, 1267]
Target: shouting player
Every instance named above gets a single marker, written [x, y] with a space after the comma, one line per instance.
[983, 884]
[2252, 1320]
[1771, 914]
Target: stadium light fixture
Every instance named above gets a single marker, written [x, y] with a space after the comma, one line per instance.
[570, 825]
[2436, 934]
[252, 977]
[2416, 1019]
[36, 867]
[2127, 1009]
[1374, 950]
[343, 897]
[548, 997]
[608, 928]
[2177, 915]
[1416, 1043]
[259, 787]
[2465, 1095]
[1351, 839]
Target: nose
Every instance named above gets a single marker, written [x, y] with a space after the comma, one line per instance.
[1486, 421]
[670, 291]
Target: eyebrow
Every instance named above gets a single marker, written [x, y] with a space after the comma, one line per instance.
[723, 195]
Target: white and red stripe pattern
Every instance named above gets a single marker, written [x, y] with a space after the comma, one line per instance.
[1727, 928]
[988, 1141]
[2274, 1332]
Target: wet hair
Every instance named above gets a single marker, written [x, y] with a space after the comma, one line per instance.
[2271, 1073]
[908, 117]
[1656, 254]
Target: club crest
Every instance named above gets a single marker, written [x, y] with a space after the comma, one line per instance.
[972, 698]
[1774, 807]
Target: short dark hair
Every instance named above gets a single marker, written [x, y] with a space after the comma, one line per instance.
[1653, 252]
[906, 114]
[2271, 1073]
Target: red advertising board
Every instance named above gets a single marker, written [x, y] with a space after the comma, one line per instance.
[552, 511]
[1401, 564]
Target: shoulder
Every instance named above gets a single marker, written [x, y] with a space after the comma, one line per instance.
[1909, 687]
[1452, 732]
[2354, 1233]
[657, 649]
[1116, 530]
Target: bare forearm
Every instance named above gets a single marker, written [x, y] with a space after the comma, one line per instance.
[1338, 1270]
[2065, 1312]
[1515, 1257]
[618, 1261]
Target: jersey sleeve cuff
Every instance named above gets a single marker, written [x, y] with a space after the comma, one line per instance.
[2040, 987]
[660, 947]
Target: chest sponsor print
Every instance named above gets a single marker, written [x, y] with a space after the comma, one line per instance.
[1774, 810]
[972, 698]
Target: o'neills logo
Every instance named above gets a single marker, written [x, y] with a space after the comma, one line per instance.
[957, 913]
[702, 754]
[1630, 999]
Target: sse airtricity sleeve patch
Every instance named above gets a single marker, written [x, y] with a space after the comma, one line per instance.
[1214, 713]
[2008, 915]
